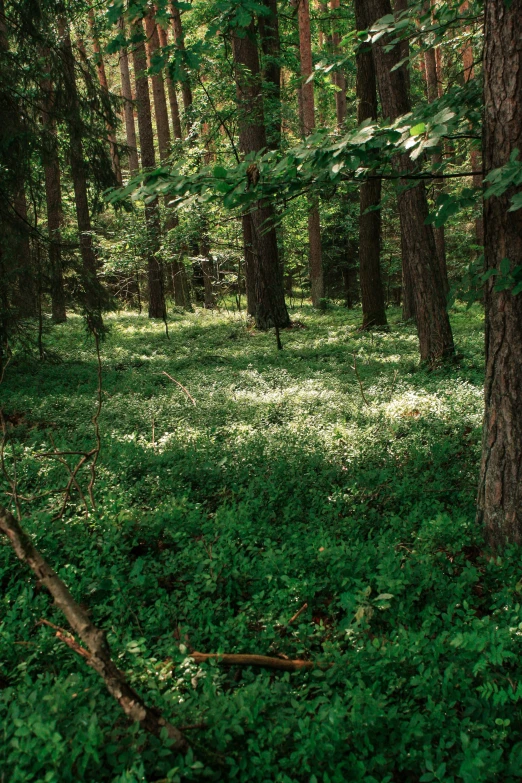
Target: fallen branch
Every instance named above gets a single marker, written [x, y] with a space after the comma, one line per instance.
[189, 395]
[266, 661]
[98, 653]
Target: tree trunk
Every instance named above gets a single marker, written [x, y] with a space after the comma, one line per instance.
[307, 93]
[206, 268]
[102, 78]
[372, 293]
[271, 48]
[433, 326]
[25, 274]
[171, 87]
[128, 107]
[500, 485]
[93, 304]
[53, 196]
[432, 83]
[338, 77]
[158, 89]
[148, 161]
[250, 260]
[186, 90]
[269, 300]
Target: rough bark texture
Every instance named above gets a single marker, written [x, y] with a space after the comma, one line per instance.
[102, 78]
[53, 197]
[79, 177]
[25, 297]
[269, 300]
[128, 107]
[148, 161]
[158, 90]
[250, 262]
[372, 293]
[98, 653]
[269, 37]
[171, 88]
[338, 77]
[307, 92]
[186, 90]
[433, 326]
[500, 486]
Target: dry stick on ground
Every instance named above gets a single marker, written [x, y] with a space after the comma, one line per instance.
[266, 661]
[189, 395]
[359, 379]
[97, 653]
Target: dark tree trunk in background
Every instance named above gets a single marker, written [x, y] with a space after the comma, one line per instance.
[433, 326]
[207, 270]
[250, 262]
[186, 90]
[92, 288]
[500, 486]
[25, 274]
[128, 107]
[158, 90]
[307, 92]
[269, 300]
[338, 77]
[148, 161]
[171, 88]
[271, 47]
[53, 197]
[372, 293]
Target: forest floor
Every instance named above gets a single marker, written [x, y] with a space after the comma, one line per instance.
[336, 473]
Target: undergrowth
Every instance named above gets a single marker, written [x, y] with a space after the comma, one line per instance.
[336, 473]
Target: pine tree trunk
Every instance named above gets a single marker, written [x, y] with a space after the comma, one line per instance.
[269, 38]
[269, 299]
[186, 90]
[500, 485]
[372, 293]
[433, 326]
[307, 92]
[158, 90]
[91, 285]
[338, 77]
[102, 78]
[128, 107]
[171, 88]
[53, 196]
[25, 274]
[148, 161]
[250, 260]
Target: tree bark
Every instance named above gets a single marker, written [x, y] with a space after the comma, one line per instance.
[158, 89]
[372, 293]
[338, 77]
[171, 88]
[500, 485]
[53, 197]
[271, 47]
[128, 107]
[186, 90]
[269, 300]
[307, 92]
[433, 326]
[157, 307]
[25, 291]
[102, 78]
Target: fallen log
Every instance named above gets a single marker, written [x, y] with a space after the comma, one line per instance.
[265, 661]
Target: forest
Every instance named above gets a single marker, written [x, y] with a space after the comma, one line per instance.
[261, 391]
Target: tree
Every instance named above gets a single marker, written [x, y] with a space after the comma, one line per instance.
[308, 111]
[338, 77]
[433, 326]
[267, 281]
[372, 293]
[158, 88]
[179, 38]
[500, 485]
[157, 307]
[171, 88]
[271, 47]
[128, 105]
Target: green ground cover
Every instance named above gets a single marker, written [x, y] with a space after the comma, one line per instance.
[294, 479]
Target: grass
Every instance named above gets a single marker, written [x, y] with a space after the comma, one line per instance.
[336, 473]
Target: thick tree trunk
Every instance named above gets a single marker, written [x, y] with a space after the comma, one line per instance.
[338, 77]
[250, 261]
[206, 268]
[148, 161]
[128, 107]
[102, 78]
[269, 300]
[432, 83]
[186, 90]
[433, 326]
[271, 48]
[79, 178]
[158, 90]
[25, 274]
[500, 486]
[307, 92]
[372, 293]
[53, 197]
[171, 87]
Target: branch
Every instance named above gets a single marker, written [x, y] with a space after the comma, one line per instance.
[94, 639]
[189, 395]
[266, 661]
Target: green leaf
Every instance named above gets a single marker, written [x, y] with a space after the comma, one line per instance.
[418, 129]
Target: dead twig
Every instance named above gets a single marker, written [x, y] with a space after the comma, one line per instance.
[94, 639]
[359, 379]
[298, 614]
[265, 661]
[189, 395]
